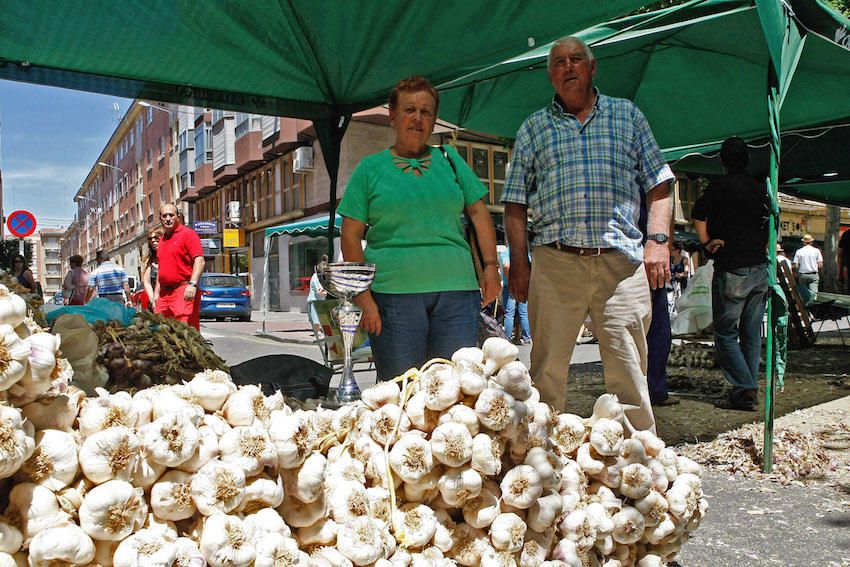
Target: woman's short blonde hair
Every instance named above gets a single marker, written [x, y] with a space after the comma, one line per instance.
[414, 84]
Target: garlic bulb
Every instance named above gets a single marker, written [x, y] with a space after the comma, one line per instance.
[249, 448]
[547, 465]
[487, 454]
[43, 350]
[544, 512]
[347, 501]
[306, 482]
[105, 411]
[495, 408]
[65, 545]
[568, 433]
[441, 386]
[462, 414]
[109, 454]
[11, 537]
[425, 488]
[451, 444]
[414, 525]
[297, 514]
[458, 485]
[13, 308]
[246, 405]
[471, 376]
[16, 440]
[188, 553]
[14, 354]
[53, 463]
[514, 378]
[469, 544]
[276, 550]
[636, 481]
[171, 496]
[361, 540]
[385, 419]
[507, 532]
[146, 471]
[145, 548]
[170, 439]
[218, 487]
[380, 394]
[262, 492]
[112, 510]
[410, 458]
[292, 437]
[521, 486]
[606, 436]
[265, 522]
[55, 410]
[33, 508]
[177, 400]
[421, 418]
[629, 525]
[497, 353]
[206, 451]
[323, 532]
[227, 542]
[211, 388]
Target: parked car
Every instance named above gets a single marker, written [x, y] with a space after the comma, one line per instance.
[224, 295]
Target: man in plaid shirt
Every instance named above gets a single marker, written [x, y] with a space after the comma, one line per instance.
[579, 167]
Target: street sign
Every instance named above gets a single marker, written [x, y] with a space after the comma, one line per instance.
[205, 226]
[21, 223]
[234, 238]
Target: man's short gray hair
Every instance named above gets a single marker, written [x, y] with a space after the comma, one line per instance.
[565, 40]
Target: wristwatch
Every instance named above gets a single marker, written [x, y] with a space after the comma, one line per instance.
[658, 237]
[193, 284]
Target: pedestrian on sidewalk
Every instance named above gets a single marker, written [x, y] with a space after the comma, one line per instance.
[151, 269]
[316, 293]
[109, 280]
[75, 286]
[731, 219]
[181, 263]
[512, 306]
[809, 261]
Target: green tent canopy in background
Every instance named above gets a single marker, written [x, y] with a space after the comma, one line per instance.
[699, 72]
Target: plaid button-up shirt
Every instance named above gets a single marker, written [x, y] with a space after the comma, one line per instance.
[583, 182]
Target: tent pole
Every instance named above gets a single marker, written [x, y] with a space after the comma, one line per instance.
[773, 105]
[330, 132]
[267, 246]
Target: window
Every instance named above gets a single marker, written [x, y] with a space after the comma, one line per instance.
[150, 114]
[161, 147]
[132, 138]
[303, 257]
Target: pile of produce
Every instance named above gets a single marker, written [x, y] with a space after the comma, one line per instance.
[32, 300]
[457, 463]
[691, 355]
[153, 350]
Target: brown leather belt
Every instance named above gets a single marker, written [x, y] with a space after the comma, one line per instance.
[579, 251]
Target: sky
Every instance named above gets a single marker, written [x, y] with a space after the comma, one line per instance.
[49, 140]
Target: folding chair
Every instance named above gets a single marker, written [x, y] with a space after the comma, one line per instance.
[329, 338]
[822, 312]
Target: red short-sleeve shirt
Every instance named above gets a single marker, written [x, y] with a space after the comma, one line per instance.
[176, 255]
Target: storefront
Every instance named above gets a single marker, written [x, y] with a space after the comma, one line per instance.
[294, 249]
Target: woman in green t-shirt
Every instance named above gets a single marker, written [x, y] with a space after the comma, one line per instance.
[425, 299]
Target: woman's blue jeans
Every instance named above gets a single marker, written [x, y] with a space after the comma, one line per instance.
[511, 308]
[738, 300]
[416, 327]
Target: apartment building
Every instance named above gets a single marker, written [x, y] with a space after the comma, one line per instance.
[48, 258]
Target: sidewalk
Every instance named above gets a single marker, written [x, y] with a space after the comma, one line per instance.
[282, 326]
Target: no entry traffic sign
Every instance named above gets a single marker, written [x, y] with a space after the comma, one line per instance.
[21, 223]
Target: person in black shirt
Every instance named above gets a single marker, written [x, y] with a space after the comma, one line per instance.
[844, 259]
[731, 219]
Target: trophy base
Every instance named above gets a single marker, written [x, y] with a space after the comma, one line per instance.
[348, 391]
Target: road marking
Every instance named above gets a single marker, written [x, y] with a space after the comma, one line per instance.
[208, 335]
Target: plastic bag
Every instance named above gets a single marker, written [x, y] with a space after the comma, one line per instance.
[693, 309]
[98, 309]
[80, 347]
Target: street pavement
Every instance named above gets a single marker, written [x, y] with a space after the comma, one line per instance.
[749, 523]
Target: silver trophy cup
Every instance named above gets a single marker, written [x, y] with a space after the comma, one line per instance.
[345, 280]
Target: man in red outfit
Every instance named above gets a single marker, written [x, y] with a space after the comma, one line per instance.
[181, 263]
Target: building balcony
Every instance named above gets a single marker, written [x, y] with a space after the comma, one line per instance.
[204, 179]
[285, 138]
[224, 174]
[249, 151]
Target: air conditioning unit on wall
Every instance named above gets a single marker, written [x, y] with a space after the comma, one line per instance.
[302, 161]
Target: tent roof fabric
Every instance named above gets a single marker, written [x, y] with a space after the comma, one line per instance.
[699, 72]
[306, 227]
[310, 59]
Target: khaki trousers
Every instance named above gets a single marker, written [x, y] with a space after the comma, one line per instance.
[563, 290]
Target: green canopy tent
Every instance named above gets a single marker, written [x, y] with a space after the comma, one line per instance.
[700, 72]
[320, 60]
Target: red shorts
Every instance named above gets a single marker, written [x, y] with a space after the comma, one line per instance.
[172, 304]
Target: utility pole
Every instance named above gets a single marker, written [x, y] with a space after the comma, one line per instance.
[830, 248]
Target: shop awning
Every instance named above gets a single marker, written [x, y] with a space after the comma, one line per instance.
[306, 227]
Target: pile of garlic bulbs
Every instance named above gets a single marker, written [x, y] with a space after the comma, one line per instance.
[454, 464]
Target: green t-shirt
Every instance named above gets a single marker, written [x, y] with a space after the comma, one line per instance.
[415, 236]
